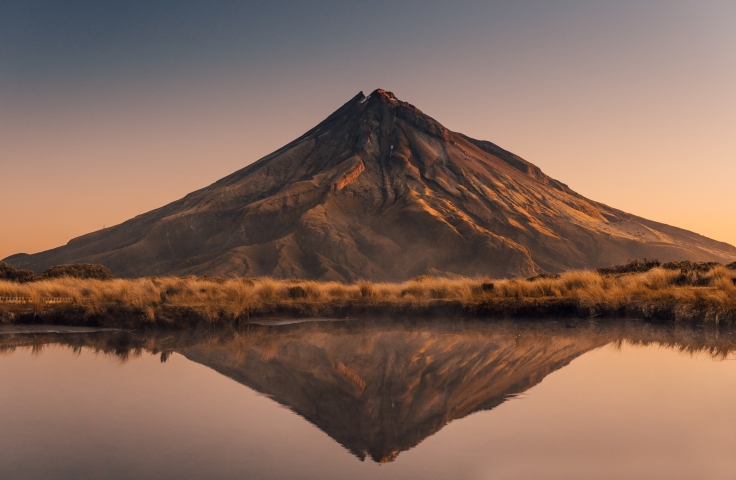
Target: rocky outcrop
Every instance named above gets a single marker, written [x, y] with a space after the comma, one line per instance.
[348, 177]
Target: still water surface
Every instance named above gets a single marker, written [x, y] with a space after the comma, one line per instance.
[370, 400]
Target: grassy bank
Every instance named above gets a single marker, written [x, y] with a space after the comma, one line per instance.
[697, 294]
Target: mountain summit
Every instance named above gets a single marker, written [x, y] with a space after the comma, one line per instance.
[379, 190]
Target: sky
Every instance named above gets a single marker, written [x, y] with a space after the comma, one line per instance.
[111, 109]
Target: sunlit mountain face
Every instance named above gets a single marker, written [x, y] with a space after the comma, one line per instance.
[379, 190]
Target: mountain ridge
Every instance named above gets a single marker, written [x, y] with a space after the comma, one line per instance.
[379, 190]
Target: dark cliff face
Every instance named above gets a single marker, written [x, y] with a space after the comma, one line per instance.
[380, 190]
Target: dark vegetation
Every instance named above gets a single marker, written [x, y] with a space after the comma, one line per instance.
[543, 276]
[691, 273]
[9, 273]
[633, 266]
[639, 266]
[79, 270]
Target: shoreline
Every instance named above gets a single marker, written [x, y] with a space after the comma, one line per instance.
[717, 341]
[692, 293]
[172, 316]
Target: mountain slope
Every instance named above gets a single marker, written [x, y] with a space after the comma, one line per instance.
[379, 190]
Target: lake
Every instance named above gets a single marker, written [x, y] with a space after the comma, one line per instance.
[370, 399]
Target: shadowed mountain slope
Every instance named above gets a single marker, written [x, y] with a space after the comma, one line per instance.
[380, 190]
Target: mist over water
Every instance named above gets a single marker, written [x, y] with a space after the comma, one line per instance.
[369, 400]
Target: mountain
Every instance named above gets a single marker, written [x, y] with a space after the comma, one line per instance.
[379, 190]
[379, 391]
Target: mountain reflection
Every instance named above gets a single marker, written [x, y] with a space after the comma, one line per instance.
[380, 388]
[380, 391]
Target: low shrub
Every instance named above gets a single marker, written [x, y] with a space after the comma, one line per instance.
[692, 278]
[543, 276]
[687, 266]
[9, 272]
[633, 266]
[78, 270]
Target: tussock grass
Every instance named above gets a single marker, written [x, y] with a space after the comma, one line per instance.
[658, 293]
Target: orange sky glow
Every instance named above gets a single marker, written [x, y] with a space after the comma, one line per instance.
[634, 107]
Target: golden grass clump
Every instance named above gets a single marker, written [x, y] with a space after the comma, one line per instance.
[681, 293]
[267, 289]
[367, 291]
[337, 291]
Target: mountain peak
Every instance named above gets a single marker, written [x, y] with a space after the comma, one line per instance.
[382, 191]
[384, 95]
